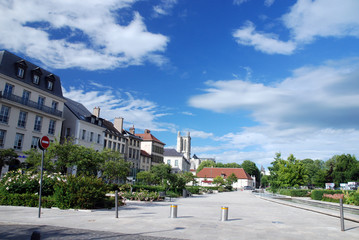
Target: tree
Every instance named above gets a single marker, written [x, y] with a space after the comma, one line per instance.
[115, 168]
[219, 181]
[33, 160]
[231, 165]
[161, 173]
[252, 169]
[204, 164]
[7, 157]
[315, 170]
[88, 161]
[188, 177]
[343, 168]
[231, 179]
[145, 177]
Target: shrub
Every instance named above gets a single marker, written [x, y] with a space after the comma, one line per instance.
[193, 189]
[143, 195]
[149, 188]
[80, 192]
[26, 199]
[318, 194]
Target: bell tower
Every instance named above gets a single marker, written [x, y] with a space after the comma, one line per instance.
[184, 145]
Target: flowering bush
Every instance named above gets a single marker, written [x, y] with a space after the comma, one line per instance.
[143, 195]
[20, 182]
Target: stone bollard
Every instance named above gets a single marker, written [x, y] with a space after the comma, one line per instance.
[224, 214]
[173, 212]
[341, 214]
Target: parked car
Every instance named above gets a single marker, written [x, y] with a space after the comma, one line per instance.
[248, 188]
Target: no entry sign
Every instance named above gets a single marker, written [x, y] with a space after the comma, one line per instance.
[44, 142]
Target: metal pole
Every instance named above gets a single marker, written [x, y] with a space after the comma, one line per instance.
[116, 202]
[341, 214]
[224, 214]
[42, 168]
[173, 211]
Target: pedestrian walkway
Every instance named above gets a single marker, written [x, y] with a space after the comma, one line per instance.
[198, 217]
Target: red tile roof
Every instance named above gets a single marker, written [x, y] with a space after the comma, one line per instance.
[144, 153]
[149, 137]
[210, 172]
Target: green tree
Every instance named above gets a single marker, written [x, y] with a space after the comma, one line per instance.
[204, 164]
[88, 161]
[232, 165]
[219, 181]
[316, 171]
[345, 168]
[145, 177]
[231, 179]
[7, 157]
[188, 177]
[115, 168]
[65, 155]
[252, 169]
[161, 174]
[34, 157]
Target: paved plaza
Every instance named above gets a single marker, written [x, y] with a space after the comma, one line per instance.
[250, 217]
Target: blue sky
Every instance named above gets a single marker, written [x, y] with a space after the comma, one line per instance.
[247, 78]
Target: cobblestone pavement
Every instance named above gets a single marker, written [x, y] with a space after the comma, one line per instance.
[18, 232]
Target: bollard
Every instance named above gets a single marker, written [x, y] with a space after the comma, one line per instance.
[173, 211]
[224, 214]
[341, 214]
[116, 203]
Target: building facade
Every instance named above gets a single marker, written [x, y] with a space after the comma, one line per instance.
[206, 176]
[152, 146]
[176, 160]
[184, 145]
[31, 104]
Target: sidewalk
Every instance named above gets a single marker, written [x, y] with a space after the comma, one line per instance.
[250, 217]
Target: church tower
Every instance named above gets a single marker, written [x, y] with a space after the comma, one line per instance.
[184, 145]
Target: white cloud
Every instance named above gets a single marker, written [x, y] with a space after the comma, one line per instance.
[84, 34]
[239, 2]
[164, 8]
[267, 43]
[268, 3]
[142, 113]
[323, 18]
[312, 113]
[200, 134]
[306, 21]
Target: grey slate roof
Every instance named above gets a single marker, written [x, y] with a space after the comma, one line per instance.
[8, 67]
[171, 152]
[81, 112]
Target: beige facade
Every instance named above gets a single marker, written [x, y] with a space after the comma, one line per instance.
[29, 107]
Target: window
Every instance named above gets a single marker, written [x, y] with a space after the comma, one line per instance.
[68, 132]
[2, 138]
[34, 142]
[50, 85]
[8, 89]
[38, 121]
[19, 138]
[130, 153]
[109, 144]
[4, 114]
[22, 119]
[52, 126]
[83, 134]
[20, 72]
[104, 143]
[54, 105]
[40, 102]
[25, 96]
[91, 136]
[168, 162]
[176, 163]
[98, 138]
[123, 149]
[114, 146]
[36, 79]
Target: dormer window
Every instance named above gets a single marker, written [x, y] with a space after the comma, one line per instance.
[21, 68]
[50, 79]
[36, 75]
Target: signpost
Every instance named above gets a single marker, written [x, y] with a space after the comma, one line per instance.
[43, 143]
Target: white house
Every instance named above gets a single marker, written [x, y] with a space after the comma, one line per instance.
[206, 176]
[177, 161]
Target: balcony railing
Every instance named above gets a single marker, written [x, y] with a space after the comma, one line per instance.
[31, 104]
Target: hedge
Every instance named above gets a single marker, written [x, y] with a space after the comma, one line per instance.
[26, 200]
[318, 194]
[295, 192]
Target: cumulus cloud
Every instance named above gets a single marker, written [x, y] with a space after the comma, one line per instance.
[84, 34]
[142, 113]
[306, 21]
[313, 113]
[267, 43]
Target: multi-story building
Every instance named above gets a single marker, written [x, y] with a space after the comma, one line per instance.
[31, 104]
[82, 127]
[146, 162]
[152, 146]
[176, 160]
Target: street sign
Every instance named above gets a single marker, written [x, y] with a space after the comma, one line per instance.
[44, 142]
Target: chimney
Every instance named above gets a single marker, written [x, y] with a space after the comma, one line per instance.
[132, 130]
[118, 124]
[147, 131]
[96, 111]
